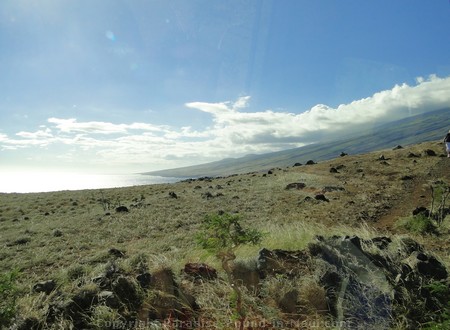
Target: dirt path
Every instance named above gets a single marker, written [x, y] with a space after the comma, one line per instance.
[417, 193]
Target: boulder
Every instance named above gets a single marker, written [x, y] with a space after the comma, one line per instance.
[321, 197]
[333, 170]
[200, 271]
[421, 210]
[412, 155]
[427, 265]
[126, 292]
[429, 152]
[45, 286]
[122, 209]
[78, 307]
[164, 280]
[144, 280]
[295, 185]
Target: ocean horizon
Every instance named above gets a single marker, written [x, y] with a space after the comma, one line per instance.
[35, 182]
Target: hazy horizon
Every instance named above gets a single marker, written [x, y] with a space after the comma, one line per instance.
[48, 181]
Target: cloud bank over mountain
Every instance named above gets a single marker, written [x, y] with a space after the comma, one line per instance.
[235, 130]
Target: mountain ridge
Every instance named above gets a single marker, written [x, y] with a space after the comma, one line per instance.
[415, 129]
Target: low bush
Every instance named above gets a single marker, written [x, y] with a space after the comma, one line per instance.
[419, 224]
[8, 296]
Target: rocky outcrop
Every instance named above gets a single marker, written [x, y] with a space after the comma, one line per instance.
[369, 282]
[360, 283]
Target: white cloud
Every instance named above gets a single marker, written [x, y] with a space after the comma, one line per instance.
[232, 132]
[273, 127]
[44, 133]
[98, 127]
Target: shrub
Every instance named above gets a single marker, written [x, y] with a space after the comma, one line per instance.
[420, 224]
[8, 296]
[222, 234]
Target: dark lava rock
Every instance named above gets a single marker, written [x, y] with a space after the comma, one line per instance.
[298, 164]
[79, 306]
[321, 197]
[102, 281]
[57, 233]
[421, 210]
[310, 162]
[332, 188]
[126, 291]
[343, 154]
[122, 209]
[295, 185]
[429, 152]
[109, 299]
[116, 253]
[46, 286]
[427, 265]
[20, 241]
[173, 195]
[200, 271]
[397, 147]
[144, 280]
[333, 170]
[207, 195]
[412, 155]
[381, 242]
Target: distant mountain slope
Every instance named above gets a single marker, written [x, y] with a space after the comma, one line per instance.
[420, 128]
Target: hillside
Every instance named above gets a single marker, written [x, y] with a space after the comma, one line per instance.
[340, 249]
[420, 128]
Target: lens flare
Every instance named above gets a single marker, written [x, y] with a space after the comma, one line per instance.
[110, 35]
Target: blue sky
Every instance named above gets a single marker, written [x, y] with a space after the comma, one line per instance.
[109, 85]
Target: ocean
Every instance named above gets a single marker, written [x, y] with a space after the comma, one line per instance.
[29, 182]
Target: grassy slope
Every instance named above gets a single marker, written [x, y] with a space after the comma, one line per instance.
[161, 230]
[416, 129]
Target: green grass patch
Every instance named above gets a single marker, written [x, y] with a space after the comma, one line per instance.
[418, 224]
[8, 296]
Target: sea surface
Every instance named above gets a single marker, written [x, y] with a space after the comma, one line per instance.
[28, 182]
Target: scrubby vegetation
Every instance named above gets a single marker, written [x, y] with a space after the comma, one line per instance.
[8, 296]
[336, 252]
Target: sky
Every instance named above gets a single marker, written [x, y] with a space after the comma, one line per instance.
[135, 85]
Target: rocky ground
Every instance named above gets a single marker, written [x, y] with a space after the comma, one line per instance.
[336, 250]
